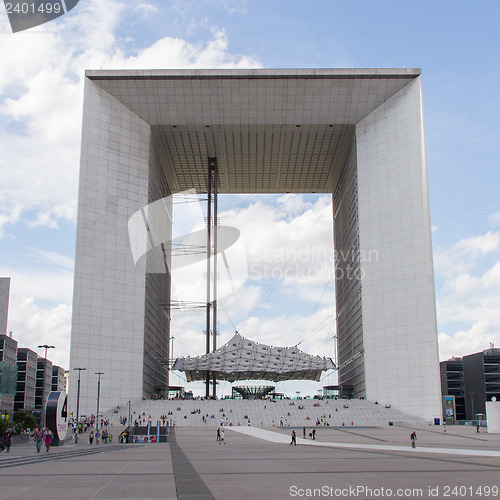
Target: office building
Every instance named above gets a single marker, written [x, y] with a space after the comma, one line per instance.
[4, 303]
[8, 373]
[473, 380]
[43, 382]
[357, 134]
[58, 379]
[26, 379]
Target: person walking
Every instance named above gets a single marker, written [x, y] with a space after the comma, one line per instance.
[294, 439]
[413, 439]
[7, 440]
[303, 433]
[47, 439]
[218, 434]
[222, 436]
[91, 437]
[38, 438]
[314, 433]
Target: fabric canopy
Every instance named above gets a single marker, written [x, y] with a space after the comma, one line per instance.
[243, 359]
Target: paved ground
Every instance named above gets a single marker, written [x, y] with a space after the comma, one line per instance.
[263, 465]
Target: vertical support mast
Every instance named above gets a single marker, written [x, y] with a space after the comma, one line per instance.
[213, 167]
[209, 257]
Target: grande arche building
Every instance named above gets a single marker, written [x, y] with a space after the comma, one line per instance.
[355, 133]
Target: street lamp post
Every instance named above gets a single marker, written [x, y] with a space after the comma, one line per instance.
[129, 413]
[98, 395]
[80, 370]
[42, 407]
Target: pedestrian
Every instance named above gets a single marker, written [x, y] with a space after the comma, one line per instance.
[38, 438]
[314, 433]
[477, 428]
[218, 434]
[294, 439]
[7, 440]
[413, 439]
[303, 433]
[91, 437]
[110, 439]
[97, 436]
[222, 436]
[47, 439]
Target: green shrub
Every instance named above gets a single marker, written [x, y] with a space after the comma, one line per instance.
[23, 419]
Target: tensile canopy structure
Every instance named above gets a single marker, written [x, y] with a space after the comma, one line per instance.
[244, 359]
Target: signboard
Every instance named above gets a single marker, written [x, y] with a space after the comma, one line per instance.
[56, 416]
[449, 409]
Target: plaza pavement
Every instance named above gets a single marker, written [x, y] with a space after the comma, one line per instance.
[259, 464]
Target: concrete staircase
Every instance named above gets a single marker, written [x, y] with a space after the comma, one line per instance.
[266, 413]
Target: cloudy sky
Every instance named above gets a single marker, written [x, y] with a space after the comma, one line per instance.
[41, 82]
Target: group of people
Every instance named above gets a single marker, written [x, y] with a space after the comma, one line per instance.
[105, 436]
[41, 436]
[124, 436]
[312, 435]
[221, 435]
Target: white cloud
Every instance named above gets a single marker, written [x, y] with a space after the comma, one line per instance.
[491, 279]
[47, 285]
[234, 6]
[476, 246]
[289, 241]
[177, 53]
[46, 257]
[39, 142]
[12, 214]
[33, 325]
[469, 297]
[494, 219]
[145, 9]
[463, 255]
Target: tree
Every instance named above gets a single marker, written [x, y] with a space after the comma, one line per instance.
[23, 419]
[4, 423]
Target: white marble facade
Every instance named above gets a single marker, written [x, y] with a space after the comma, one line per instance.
[302, 131]
[398, 302]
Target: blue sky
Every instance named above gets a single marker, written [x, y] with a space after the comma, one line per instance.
[456, 45]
